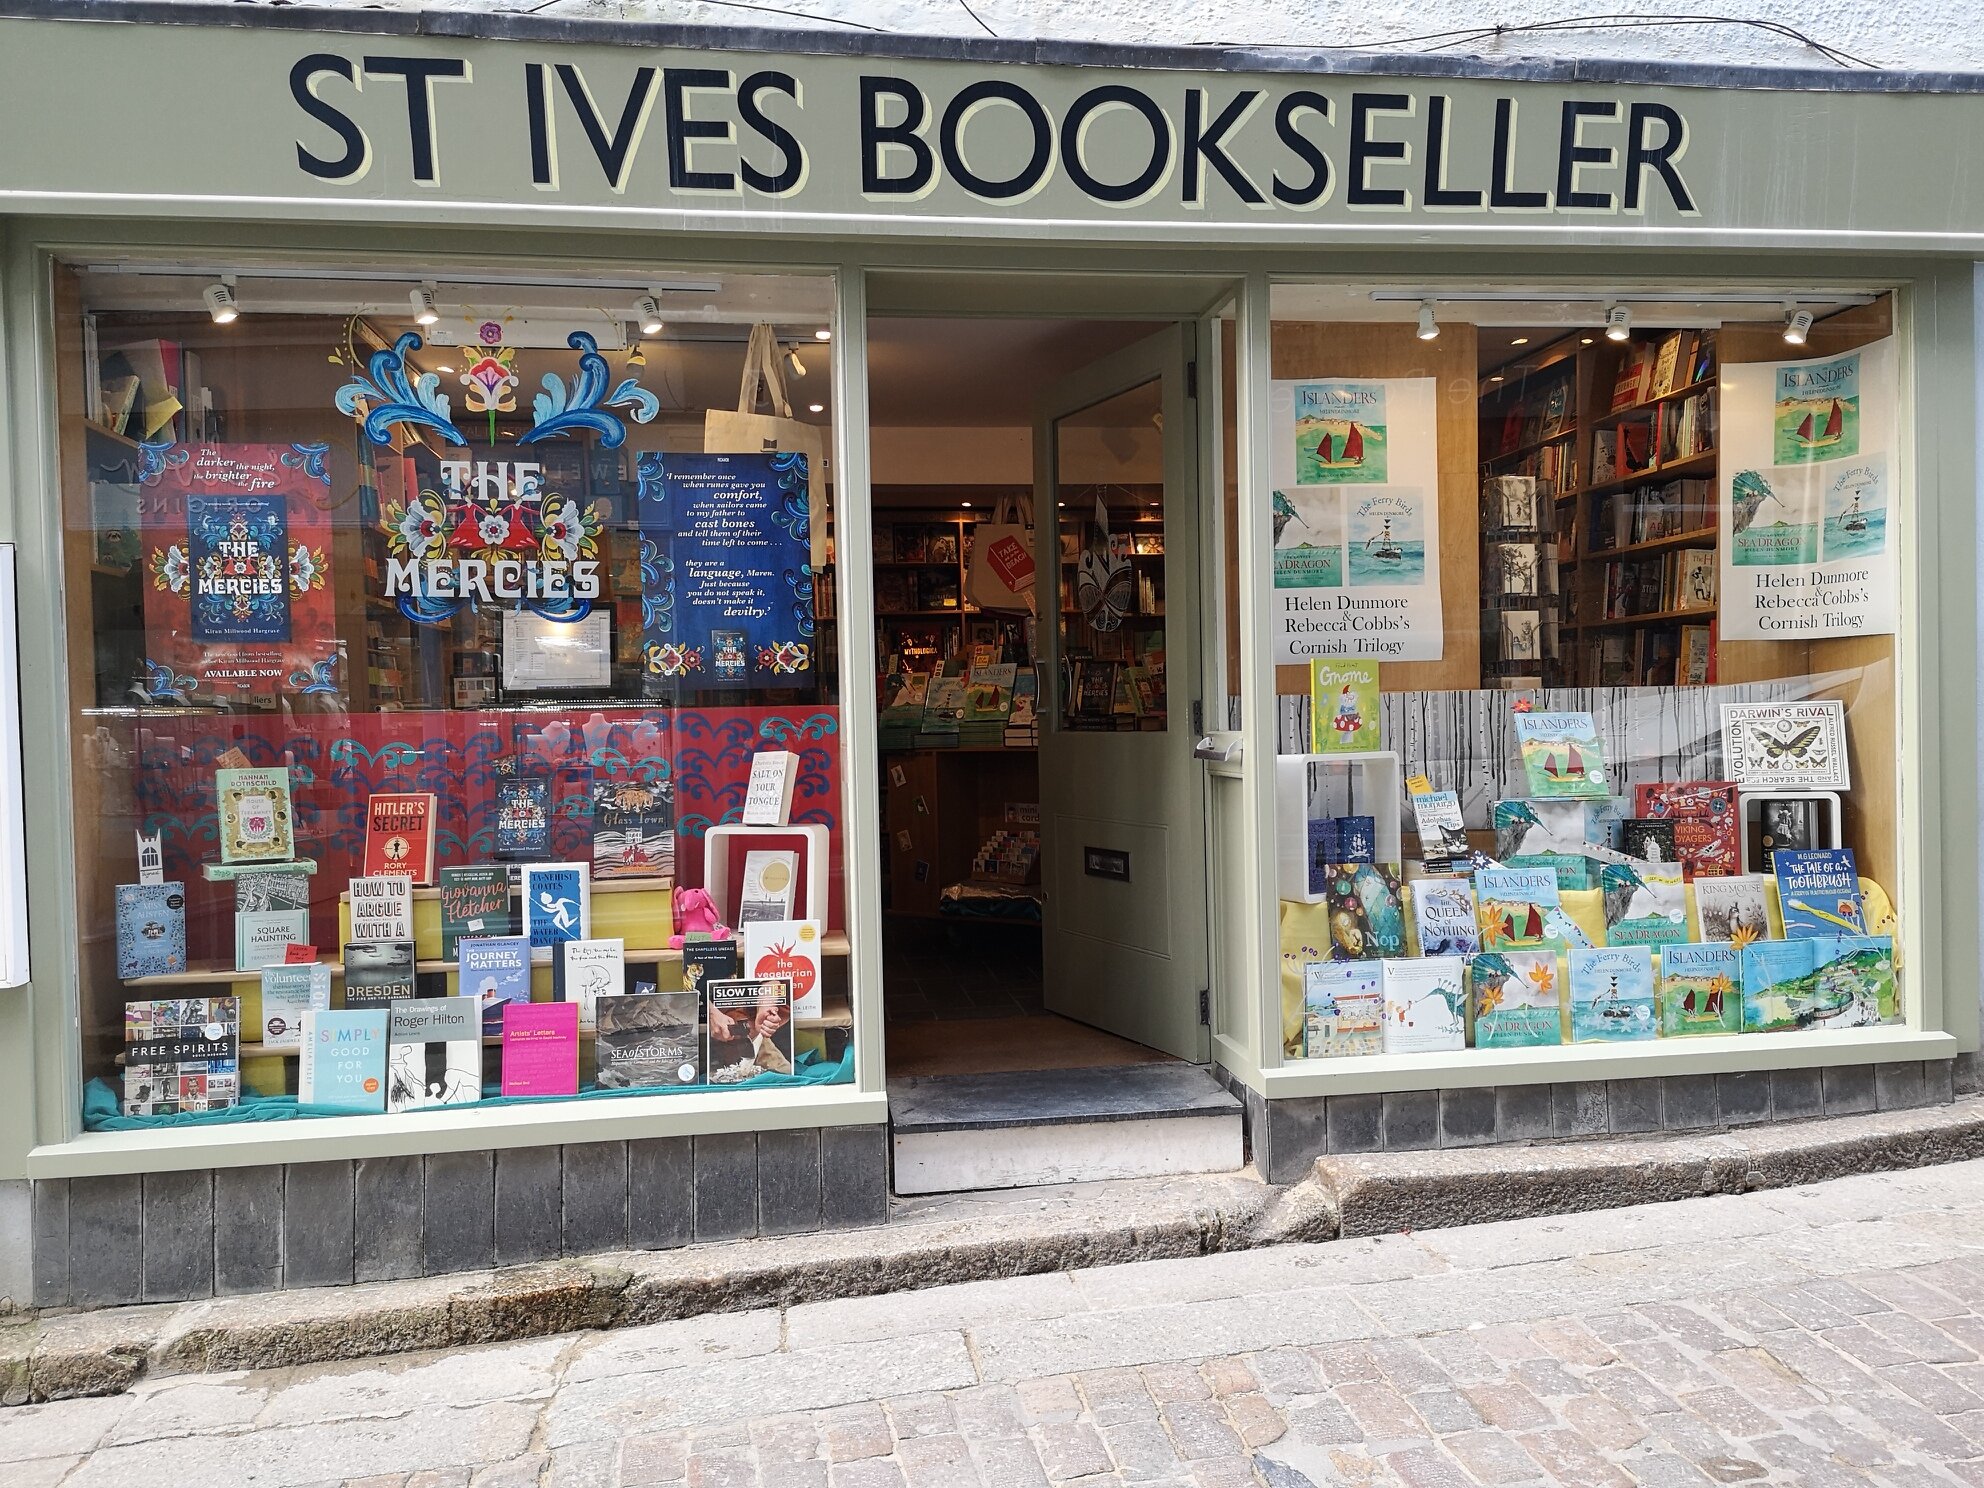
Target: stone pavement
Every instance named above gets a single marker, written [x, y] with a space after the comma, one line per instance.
[1831, 1334]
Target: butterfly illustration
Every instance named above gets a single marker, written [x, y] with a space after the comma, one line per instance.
[1797, 748]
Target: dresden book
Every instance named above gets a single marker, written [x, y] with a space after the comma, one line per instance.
[399, 835]
[377, 972]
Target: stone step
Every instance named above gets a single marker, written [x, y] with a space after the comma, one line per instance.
[954, 1133]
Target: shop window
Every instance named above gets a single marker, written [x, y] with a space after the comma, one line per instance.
[1585, 619]
[454, 680]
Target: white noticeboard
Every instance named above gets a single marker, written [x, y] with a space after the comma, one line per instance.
[13, 827]
[1356, 518]
[1808, 502]
[542, 655]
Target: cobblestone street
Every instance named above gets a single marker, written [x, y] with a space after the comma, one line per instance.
[1827, 1335]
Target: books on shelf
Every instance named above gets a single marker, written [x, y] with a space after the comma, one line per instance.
[768, 795]
[748, 1021]
[789, 949]
[541, 1049]
[181, 1054]
[288, 992]
[495, 971]
[400, 834]
[382, 907]
[1516, 999]
[1831, 981]
[151, 929]
[475, 903]
[523, 817]
[1707, 824]
[557, 904]
[649, 1040]
[1343, 1008]
[343, 1062]
[433, 1053]
[1612, 995]
[1818, 892]
[1425, 1005]
[584, 971]
[1735, 907]
[255, 821]
[271, 914]
[771, 877]
[1701, 989]
[633, 830]
[378, 973]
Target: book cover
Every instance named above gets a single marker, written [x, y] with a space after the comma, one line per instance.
[1341, 433]
[1735, 908]
[988, 694]
[255, 822]
[1859, 980]
[789, 949]
[1547, 834]
[541, 1048]
[588, 970]
[1818, 893]
[1442, 832]
[1357, 839]
[1323, 852]
[1648, 838]
[770, 877]
[1794, 822]
[262, 937]
[649, 1039]
[943, 705]
[1646, 904]
[433, 1053]
[151, 930]
[1561, 755]
[1817, 412]
[705, 961]
[1790, 746]
[399, 835]
[1512, 905]
[1701, 989]
[288, 992]
[1516, 999]
[1612, 995]
[557, 905]
[1443, 917]
[1425, 1005]
[749, 1023]
[343, 1066]
[1840, 981]
[523, 817]
[768, 794]
[1707, 822]
[1366, 912]
[475, 904]
[495, 972]
[1343, 706]
[633, 831]
[377, 972]
[181, 1054]
[272, 888]
[382, 907]
[1343, 1008]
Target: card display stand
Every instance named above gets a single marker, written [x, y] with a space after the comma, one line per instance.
[1312, 786]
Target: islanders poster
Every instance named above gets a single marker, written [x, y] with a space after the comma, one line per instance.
[1341, 436]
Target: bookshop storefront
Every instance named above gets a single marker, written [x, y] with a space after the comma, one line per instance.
[457, 661]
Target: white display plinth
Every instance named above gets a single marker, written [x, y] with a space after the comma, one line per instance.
[812, 865]
[1320, 785]
[1832, 831]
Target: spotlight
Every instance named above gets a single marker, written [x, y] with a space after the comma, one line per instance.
[792, 360]
[1429, 328]
[1797, 325]
[816, 408]
[220, 302]
[1518, 340]
[637, 357]
[647, 313]
[1586, 340]
[965, 504]
[1496, 377]
[823, 334]
[422, 300]
[1618, 323]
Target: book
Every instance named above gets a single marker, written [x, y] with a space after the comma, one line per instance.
[1767, 746]
[1561, 755]
[523, 817]
[288, 992]
[1512, 905]
[1833, 981]
[181, 1054]
[151, 930]
[343, 1064]
[1425, 1004]
[770, 877]
[586, 971]
[749, 1024]
[1553, 835]
[1442, 832]
[1322, 832]
[255, 822]
[541, 1048]
[633, 831]
[1645, 903]
[1612, 997]
[557, 905]
[1795, 822]
[1735, 908]
[382, 907]
[1343, 1008]
[433, 1053]
[263, 937]
[495, 971]
[399, 835]
[1343, 706]
[789, 949]
[768, 796]
[1707, 822]
[649, 1039]
[1366, 912]
[1701, 988]
[705, 961]
[1648, 838]
[1443, 917]
[1516, 999]
[377, 972]
[1357, 839]
[475, 904]
[1818, 892]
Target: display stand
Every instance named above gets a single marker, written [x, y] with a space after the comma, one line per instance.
[811, 839]
[1369, 784]
[1832, 831]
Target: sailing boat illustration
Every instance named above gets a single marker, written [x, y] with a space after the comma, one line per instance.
[1353, 447]
[1834, 427]
[1572, 767]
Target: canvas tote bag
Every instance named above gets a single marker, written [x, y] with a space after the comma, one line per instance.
[1002, 567]
[748, 432]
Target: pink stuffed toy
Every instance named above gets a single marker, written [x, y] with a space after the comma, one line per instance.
[695, 914]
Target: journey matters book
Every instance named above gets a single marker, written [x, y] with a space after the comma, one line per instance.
[649, 1039]
[181, 1054]
[1343, 1008]
[748, 1021]
[523, 817]
[151, 930]
[633, 831]
[557, 905]
[288, 992]
[1612, 995]
[1516, 998]
[1818, 893]
[1561, 755]
[1701, 989]
[255, 822]
[343, 1066]
[433, 1053]
[377, 973]
[475, 904]
[496, 972]
[541, 1049]
[1366, 911]
[1425, 1005]
[399, 834]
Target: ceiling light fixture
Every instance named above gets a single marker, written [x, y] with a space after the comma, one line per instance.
[425, 308]
[823, 334]
[1797, 325]
[637, 357]
[965, 504]
[1496, 377]
[1586, 340]
[1519, 341]
[220, 301]
[792, 361]
[1429, 328]
[816, 408]
[647, 313]
[1618, 322]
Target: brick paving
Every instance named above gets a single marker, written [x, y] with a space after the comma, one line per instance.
[1830, 1335]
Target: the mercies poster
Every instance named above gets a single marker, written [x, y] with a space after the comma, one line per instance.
[1807, 469]
[1356, 519]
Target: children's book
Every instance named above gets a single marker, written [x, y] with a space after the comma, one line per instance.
[586, 971]
[1367, 916]
[1517, 1000]
[433, 1053]
[1843, 981]
[288, 992]
[523, 817]
[1425, 1005]
[1343, 1008]
[377, 972]
[1818, 893]
[1553, 835]
[633, 830]
[1442, 832]
[1707, 822]
[181, 1054]
[1343, 706]
[768, 796]
[770, 879]
[1512, 906]
[399, 835]
[496, 973]
[1357, 839]
[382, 908]
[475, 905]
[541, 1048]
[988, 694]
[1645, 904]
[557, 905]
[255, 821]
[1612, 995]
[1735, 908]
[1701, 989]
[1561, 755]
[343, 1064]
[1792, 746]
[790, 949]
[151, 930]
[749, 1023]
[1443, 916]
[649, 1039]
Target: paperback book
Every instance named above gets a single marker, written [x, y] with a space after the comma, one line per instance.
[1442, 832]
[1554, 835]
[1443, 917]
[1425, 1005]
[151, 930]
[1818, 893]
[255, 822]
[633, 831]
[1512, 906]
[1793, 746]
[768, 795]
[705, 961]
[271, 914]
[523, 817]
[1516, 999]
[399, 835]
[377, 973]
[789, 949]
[1343, 706]
[1366, 912]
[1797, 823]
[1612, 995]
[433, 1053]
[749, 1022]
[495, 972]
[1650, 839]
[343, 1064]
[1701, 989]
[1844, 981]
[475, 904]
[1343, 1008]
[770, 878]
[1561, 755]
[1735, 909]
[181, 1054]
[288, 992]
[588, 970]
[541, 1048]
[382, 908]
[1646, 904]
[649, 1039]
[557, 905]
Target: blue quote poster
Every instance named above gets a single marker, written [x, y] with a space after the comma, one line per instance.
[726, 575]
[238, 549]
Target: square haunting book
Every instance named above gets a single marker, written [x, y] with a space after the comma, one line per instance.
[1701, 989]
[1366, 912]
[586, 971]
[151, 930]
[1516, 998]
[1818, 893]
[790, 949]
[1343, 1008]
[381, 907]
[496, 973]
[557, 905]
[343, 1066]
[433, 1053]
[377, 973]
[181, 1054]
[1561, 755]
[1612, 997]
[633, 831]
[1425, 1005]
[541, 1049]
[271, 914]
[523, 817]
[1443, 916]
[255, 821]
[288, 992]
[475, 904]
[749, 1027]
[399, 834]
[649, 1040]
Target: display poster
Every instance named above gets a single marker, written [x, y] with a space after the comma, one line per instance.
[236, 542]
[1356, 519]
[726, 575]
[1807, 501]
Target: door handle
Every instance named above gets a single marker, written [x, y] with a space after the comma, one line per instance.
[1225, 751]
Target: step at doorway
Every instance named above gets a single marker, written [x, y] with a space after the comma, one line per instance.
[1027, 1128]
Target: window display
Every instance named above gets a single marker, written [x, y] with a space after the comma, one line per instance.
[424, 651]
[1654, 788]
